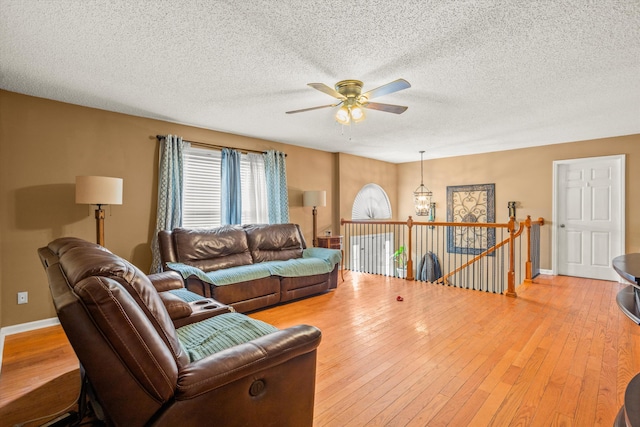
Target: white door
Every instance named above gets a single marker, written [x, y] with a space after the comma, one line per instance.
[589, 216]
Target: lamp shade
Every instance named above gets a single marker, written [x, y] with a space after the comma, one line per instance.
[98, 190]
[314, 198]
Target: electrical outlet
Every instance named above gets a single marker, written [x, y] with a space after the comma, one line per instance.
[23, 297]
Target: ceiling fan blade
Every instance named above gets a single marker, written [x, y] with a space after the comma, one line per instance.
[313, 108]
[394, 86]
[326, 89]
[387, 108]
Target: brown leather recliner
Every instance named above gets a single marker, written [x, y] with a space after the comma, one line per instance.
[127, 343]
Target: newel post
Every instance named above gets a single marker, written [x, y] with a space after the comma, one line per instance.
[528, 273]
[409, 251]
[511, 275]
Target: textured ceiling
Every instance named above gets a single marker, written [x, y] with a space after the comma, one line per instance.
[485, 75]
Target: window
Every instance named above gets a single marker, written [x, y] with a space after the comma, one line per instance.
[254, 189]
[201, 193]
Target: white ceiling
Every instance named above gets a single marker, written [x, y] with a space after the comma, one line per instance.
[485, 75]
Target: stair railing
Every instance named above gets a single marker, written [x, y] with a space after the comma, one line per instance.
[376, 242]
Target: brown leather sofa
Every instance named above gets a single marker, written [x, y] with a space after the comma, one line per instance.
[249, 267]
[138, 369]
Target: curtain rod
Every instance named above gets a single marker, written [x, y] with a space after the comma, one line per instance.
[220, 147]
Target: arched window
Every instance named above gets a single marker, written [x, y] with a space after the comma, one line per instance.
[371, 202]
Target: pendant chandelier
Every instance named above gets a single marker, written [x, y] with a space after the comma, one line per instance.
[422, 195]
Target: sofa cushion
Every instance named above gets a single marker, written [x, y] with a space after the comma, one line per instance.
[299, 267]
[212, 249]
[274, 242]
[217, 333]
[225, 276]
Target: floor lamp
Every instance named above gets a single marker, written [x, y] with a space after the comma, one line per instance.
[99, 190]
[315, 198]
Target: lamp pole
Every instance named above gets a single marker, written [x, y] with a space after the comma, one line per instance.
[314, 199]
[315, 227]
[100, 225]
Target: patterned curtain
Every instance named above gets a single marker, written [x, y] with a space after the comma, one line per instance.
[169, 214]
[277, 198]
[231, 188]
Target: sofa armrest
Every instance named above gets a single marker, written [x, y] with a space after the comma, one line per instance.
[245, 360]
[331, 256]
[166, 281]
[176, 307]
[166, 248]
[202, 309]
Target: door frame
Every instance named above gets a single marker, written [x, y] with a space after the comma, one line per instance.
[621, 159]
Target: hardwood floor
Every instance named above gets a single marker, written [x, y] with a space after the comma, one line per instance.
[40, 376]
[560, 354]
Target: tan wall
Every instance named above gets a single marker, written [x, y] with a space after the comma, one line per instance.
[309, 170]
[525, 176]
[355, 172]
[43, 146]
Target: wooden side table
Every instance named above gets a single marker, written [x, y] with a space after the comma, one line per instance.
[333, 242]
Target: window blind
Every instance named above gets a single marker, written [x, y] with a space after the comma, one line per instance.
[201, 193]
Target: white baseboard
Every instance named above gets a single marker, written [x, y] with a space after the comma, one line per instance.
[24, 327]
[550, 273]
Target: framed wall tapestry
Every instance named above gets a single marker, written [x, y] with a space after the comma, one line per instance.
[470, 203]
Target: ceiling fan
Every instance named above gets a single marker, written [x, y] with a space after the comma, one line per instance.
[353, 101]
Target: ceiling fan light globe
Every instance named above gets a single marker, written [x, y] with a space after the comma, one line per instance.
[357, 114]
[343, 116]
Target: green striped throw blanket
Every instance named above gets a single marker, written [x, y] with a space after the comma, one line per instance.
[217, 333]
